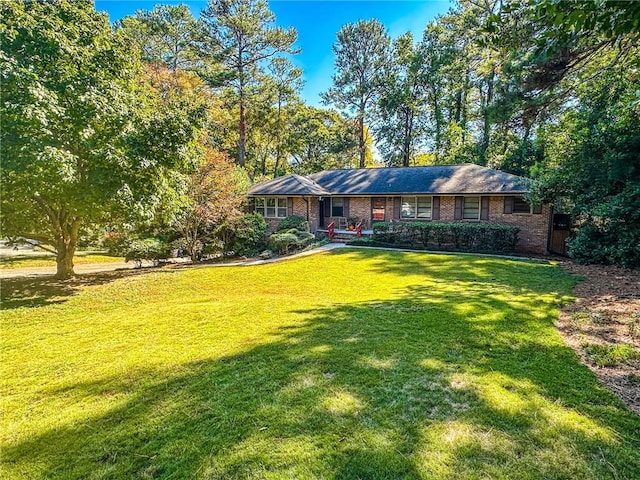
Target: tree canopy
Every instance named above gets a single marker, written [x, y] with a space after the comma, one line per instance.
[84, 135]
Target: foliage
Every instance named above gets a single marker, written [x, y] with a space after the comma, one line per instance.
[362, 55]
[85, 136]
[293, 221]
[469, 237]
[321, 139]
[242, 236]
[250, 234]
[595, 165]
[215, 196]
[382, 364]
[242, 36]
[151, 249]
[167, 35]
[286, 240]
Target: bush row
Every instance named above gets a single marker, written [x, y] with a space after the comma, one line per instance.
[468, 237]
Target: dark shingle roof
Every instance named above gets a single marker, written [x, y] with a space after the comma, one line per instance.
[289, 185]
[437, 179]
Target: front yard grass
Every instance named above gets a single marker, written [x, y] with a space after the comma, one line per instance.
[347, 364]
[49, 260]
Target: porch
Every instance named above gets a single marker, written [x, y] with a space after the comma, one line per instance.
[342, 234]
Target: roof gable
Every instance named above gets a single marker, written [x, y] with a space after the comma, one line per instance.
[289, 185]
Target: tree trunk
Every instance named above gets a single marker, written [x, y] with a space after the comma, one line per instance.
[279, 139]
[242, 131]
[361, 142]
[64, 262]
[66, 230]
[486, 129]
[408, 132]
[66, 248]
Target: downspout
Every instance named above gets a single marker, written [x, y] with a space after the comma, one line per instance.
[307, 202]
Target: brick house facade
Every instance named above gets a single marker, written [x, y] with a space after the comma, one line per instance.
[475, 194]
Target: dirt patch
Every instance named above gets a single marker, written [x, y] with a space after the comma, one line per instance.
[603, 326]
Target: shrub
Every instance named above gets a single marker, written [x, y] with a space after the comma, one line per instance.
[249, 234]
[293, 221]
[290, 239]
[242, 236]
[148, 249]
[471, 237]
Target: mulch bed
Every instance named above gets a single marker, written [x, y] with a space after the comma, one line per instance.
[606, 313]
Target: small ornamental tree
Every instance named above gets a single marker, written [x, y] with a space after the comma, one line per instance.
[84, 135]
[215, 195]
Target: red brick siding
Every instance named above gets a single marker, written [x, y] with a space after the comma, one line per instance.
[534, 228]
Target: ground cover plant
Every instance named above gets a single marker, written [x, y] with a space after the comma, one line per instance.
[345, 364]
[49, 260]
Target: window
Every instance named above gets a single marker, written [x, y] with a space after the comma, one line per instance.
[471, 208]
[377, 209]
[337, 207]
[520, 206]
[271, 207]
[416, 207]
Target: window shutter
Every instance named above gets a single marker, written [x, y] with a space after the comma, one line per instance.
[345, 210]
[435, 209]
[537, 209]
[508, 204]
[290, 206]
[457, 215]
[397, 205]
[327, 207]
[484, 208]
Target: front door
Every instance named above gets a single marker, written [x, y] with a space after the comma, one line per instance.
[378, 206]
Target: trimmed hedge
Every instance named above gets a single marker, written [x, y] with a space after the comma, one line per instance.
[293, 221]
[465, 237]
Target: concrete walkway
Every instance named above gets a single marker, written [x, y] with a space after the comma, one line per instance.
[33, 272]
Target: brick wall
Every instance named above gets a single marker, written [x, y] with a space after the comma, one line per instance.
[534, 227]
[533, 236]
[360, 207]
[299, 208]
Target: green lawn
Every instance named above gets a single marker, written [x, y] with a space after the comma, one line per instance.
[347, 364]
[81, 258]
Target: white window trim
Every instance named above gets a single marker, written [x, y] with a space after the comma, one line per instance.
[263, 210]
[464, 199]
[415, 207]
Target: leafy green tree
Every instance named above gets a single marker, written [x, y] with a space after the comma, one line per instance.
[321, 139]
[362, 58]
[593, 163]
[402, 103]
[84, 137]
[241, 35]
[285, 82]
[167, 35]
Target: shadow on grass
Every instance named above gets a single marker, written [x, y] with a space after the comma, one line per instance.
[41, 291]
[429, 385]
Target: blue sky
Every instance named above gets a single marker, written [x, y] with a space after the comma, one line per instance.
[317, 23]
